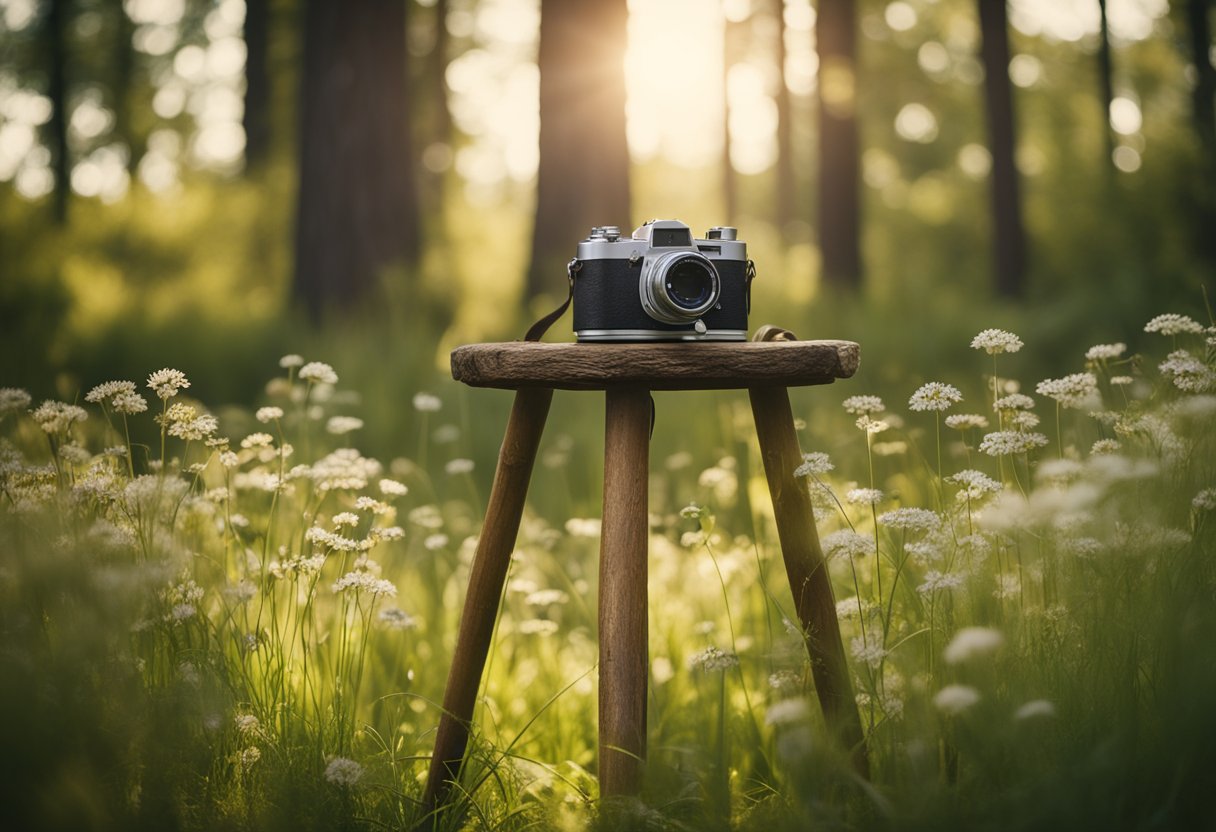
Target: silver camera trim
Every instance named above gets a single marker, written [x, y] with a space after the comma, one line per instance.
[659, 335]
[652, 286]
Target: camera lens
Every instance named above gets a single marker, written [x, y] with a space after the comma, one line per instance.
[678, 287]
[689, 284]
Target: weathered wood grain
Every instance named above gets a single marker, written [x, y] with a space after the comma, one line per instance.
[489, 572]
[806, 569]
[623, 609]
[668, 366]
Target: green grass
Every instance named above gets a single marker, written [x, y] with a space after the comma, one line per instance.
[160, 672]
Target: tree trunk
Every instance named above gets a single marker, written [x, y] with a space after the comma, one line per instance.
[1105, 72]
[124, 82]
[439, 59]
[1204, 93]
[1010, 239]
[357, 210]
[55, 32]
[839, 200]
[785, 154]
[583, 177]
[256, 120]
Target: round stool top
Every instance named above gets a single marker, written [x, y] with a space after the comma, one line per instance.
[666, 366]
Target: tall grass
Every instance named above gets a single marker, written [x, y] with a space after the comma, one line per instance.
[243, 622]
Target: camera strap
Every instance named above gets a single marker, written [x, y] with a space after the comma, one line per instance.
[538, 329]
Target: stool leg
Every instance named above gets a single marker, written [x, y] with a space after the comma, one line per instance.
[486, 580]
[806, 568]
[622, 601]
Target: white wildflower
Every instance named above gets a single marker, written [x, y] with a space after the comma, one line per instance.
[1121, 381]
[869, 653]
[936, 581]
[975, 484]
[247, 757]
[1008, 585]
[1187, 372]
[128, 404]
[266, 415]
[167, 383]
[428, 517]
[13, 400]
[935, 396]
[392, 488]
[1205, 500]
[344, 469]
[257, 440]
[318, 372]
[1023, 420]
[863, 405]
[427, 403]
[340, 425]
[538, 627]
[458, 466]
[872, 426]
[996, 341]
[966, 421]
[57, 417]
[692, 511]
[846, 544]
[814, 463]
[864, 496]
[435, 542]
[952, 700]
[345, 518]
[1075, 390]
[1005, 442]
[343, 772]
[1174, 324]
[105, 393]
[712, 658]
[546, 598]
[247, 724]
[853, 607]
[365, 582]
[787, 711]
[910, 519]
[196, 429]
[1014, 401]
[973, 643]
[393, 618]
[1105, 352]
[1035, 709]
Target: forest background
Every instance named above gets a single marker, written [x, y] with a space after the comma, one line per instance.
[212, 185]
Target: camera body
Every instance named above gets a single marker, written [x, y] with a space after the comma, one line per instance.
[660, 284]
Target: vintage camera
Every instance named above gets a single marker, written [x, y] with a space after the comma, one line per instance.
[661, 285]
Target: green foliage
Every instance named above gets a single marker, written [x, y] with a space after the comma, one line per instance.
[204, 634]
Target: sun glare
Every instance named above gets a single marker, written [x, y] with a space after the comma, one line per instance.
[674, 79]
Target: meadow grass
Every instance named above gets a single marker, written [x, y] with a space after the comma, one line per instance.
[237, 620]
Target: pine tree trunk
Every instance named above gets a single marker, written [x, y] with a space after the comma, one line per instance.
[1204, 93]
[257, 83]
[1106, 81]
[357, 211]
[55, 32]
[124, 81]
[1009, 236]
[785, 154]
[583, 177]
[839, 200]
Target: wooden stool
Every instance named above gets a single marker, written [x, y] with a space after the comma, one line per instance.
[627, 373]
